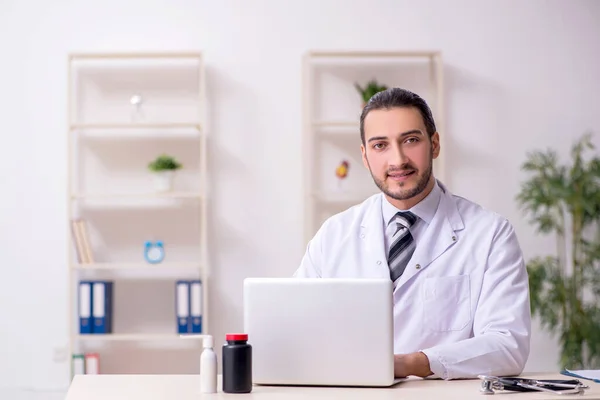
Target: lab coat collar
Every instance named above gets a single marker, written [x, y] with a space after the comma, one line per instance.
[450, 209]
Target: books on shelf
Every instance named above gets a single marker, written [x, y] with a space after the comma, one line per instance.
[85, 364]
[95, 307]
[188, 305]
[81, 239]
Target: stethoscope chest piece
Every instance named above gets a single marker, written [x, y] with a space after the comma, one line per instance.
[489, 384]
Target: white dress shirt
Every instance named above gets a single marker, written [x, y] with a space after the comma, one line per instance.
[424, 211]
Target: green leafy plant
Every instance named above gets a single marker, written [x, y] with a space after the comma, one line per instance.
[565, 289]
[164, 162]
[370, 89]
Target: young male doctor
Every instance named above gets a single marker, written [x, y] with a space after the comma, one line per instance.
[461, 298]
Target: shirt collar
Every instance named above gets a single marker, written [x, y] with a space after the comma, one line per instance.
[425, 209]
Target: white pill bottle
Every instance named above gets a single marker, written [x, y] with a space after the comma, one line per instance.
[208, 367]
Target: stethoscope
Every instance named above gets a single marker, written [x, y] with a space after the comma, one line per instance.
[491, 383]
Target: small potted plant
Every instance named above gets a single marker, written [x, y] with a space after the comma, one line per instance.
[371, 88]
[164, 167]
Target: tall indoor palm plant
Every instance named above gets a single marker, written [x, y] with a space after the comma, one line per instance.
[565, 289]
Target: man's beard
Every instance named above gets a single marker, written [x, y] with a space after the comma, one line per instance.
[400, 194]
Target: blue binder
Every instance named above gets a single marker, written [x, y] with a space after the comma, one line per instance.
[102, 300]
[196, 306]
[182, 306]
[84, 307]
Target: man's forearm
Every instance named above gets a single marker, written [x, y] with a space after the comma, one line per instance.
[416, 364]
[490, 354]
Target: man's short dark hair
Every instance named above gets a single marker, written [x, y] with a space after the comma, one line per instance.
[398, 97]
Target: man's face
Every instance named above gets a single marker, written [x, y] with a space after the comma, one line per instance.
[398, 151]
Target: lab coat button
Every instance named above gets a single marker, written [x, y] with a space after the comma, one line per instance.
[378, 262]
[418, 266]
[454, 238]
[362, 236]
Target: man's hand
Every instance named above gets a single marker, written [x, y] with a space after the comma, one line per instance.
[411, 364]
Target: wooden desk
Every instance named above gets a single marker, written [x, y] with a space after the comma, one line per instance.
[185, 387]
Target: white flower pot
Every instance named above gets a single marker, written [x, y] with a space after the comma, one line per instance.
[163, 181]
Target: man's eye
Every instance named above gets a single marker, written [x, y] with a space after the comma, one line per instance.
[378, 145]
[412, 140]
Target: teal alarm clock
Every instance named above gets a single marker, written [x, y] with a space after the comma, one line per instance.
[154, 252]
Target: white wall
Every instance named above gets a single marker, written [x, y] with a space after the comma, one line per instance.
[519, 76]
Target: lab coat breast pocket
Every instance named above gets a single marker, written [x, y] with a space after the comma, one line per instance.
[446, 303]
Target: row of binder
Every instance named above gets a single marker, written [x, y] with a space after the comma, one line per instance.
[96, 306]
[188, 306]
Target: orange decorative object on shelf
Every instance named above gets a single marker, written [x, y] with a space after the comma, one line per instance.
[342, 170]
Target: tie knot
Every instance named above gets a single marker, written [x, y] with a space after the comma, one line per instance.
[406, 218]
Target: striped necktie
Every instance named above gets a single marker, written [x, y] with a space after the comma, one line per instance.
[403, 245]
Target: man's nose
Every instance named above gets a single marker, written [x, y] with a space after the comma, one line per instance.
[398, 156]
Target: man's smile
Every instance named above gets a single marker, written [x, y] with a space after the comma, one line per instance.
[401, 175]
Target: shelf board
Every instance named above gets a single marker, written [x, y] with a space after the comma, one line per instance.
[373, 53]
[166, 125]
[141, 134]
[336, 124]
[140, 271]
[157, 195]
[168, 55]
[136, 266]
[130, 337]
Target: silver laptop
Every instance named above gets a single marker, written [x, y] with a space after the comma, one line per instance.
[320, 332]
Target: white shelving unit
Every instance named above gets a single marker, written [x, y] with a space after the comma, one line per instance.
[331, 120]
[111, 141]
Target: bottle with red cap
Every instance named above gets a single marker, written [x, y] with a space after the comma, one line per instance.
[237, 364]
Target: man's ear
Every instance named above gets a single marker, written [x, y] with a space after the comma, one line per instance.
[363, 151]
[435, 145]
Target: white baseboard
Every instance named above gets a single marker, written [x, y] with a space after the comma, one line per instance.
[31, 394]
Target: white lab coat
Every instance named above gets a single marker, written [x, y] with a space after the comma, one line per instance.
[463, 298]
